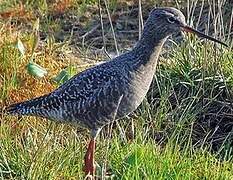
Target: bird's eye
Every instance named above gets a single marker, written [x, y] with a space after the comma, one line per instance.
[171, 19]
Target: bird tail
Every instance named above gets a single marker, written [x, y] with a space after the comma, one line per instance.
[30, 107]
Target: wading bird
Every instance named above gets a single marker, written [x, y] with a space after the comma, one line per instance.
[112, 90]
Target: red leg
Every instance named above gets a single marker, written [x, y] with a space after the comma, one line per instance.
[89, 159]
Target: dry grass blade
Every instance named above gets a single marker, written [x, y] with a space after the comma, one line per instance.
[112, 28]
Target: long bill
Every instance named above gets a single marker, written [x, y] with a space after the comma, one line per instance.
[200, 34]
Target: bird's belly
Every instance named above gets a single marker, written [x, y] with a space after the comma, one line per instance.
[134, 96]
[129, 104]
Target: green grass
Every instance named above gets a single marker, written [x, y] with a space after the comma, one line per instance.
[171, 136]
[33, 152]
[148, 161]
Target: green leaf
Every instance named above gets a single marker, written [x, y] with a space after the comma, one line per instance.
[36, 70]
[61, 77]
[65, 74]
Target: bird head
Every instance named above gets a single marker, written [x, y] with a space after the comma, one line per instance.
[168, 20]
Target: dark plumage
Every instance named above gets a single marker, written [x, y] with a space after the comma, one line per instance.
[111, 90]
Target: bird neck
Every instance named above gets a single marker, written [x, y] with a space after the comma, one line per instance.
[148, 48]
